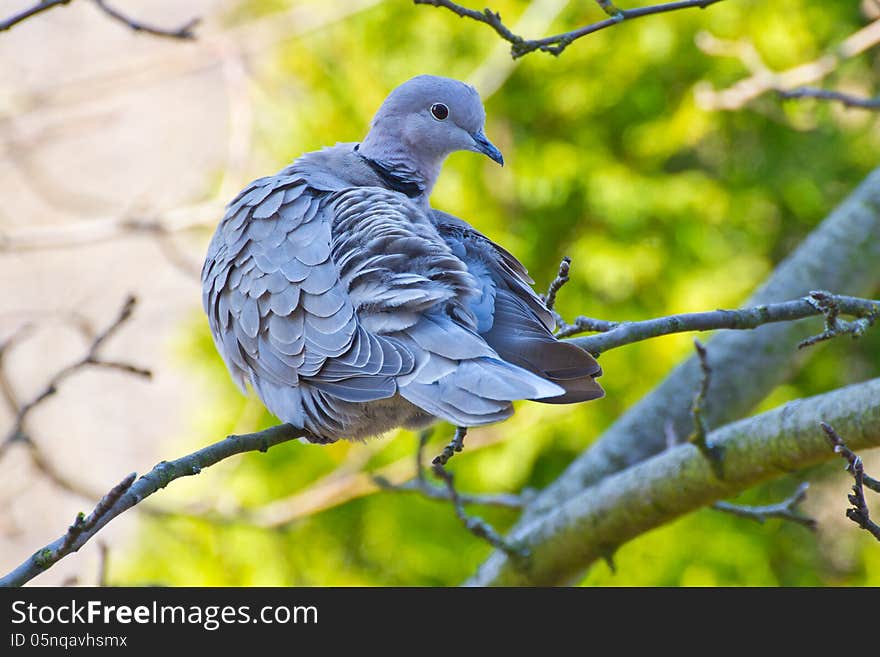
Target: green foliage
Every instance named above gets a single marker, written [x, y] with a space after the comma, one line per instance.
[664, 207]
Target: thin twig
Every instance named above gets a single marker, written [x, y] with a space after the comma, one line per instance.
[562, 277]
[784, 510]
[432, 492]
[6, 390]
[847, 100]
[859, 512]
[618, 334]
[92, 358]
[829, 306]
[185, 31]
[40, 7]
[130, 492]
[420, 484]
[558, 42]
[475, 525]
[698, 407]
[335, 489]
[19, 433]
[762, 79]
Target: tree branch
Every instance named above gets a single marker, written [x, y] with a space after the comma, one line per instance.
[784, 510]
[859, 513]
[843, 254]
[131, 492]
[420, 484]
[597, 519]
[555, 44]
[184, 32]
[92, 358]
[618, 334]
[19, 433]
[762, 79]
[40, 7]
[847, 100]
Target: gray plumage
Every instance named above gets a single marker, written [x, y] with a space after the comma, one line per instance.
[352, 307]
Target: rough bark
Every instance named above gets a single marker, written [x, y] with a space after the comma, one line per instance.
[593, 522]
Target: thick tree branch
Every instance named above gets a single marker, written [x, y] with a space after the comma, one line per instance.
[474, 524]
[599, 518]
[20, 434]
[556, 43]
[131, 492]
[842, 254]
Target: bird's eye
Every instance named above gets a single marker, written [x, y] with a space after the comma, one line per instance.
[439, 111]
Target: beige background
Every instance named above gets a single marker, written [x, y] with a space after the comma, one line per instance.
[99, 124]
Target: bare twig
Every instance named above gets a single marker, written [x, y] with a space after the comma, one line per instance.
[784, 510]
[847, 100]
[86, 233]
[40, 7]
[337, 488]
[130, 492]
[477, 526]
[698, 407]
[6, 389]
[420, 484]
[858, 513]
[700, 426]
[618, 334]
[555, 44]
[185, 31]
[762, 79]
[92, 358]
[20, 434]
[562, 277]
[568, 537]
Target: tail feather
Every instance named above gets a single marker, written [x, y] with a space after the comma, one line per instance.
[479, 391]
[521, 339]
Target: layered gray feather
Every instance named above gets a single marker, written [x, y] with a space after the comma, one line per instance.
[352, 308]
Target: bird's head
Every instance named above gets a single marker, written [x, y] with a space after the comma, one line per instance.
[424, 120]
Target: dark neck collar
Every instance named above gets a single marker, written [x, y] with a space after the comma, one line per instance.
[396, 181]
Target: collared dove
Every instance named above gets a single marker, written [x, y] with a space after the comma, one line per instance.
[352, 307]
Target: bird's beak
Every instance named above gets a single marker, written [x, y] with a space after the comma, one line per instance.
[483, 145]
